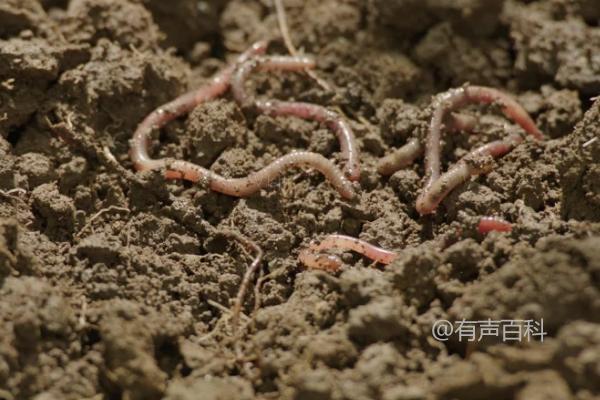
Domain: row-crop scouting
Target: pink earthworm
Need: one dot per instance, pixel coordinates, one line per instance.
(435, 188)
(400, 158)
(478, 161)
(442, 104)
(459, 122)
(158, 118)
(413, 149)
(455, 98)
(242, 187)
(493, 224)
(314, 258)
(302, 110)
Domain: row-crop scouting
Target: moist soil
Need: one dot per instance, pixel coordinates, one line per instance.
(117, 285)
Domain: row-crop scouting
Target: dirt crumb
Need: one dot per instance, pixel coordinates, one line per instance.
(212, 388)
(127, 23)
(57, 211)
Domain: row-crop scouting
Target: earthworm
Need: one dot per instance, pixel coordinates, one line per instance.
(242, 187)
(437, 188)
(448, 101)
(455, 98)
(477, 162)
(302, 110)
(400, 158)
(413, 149)
(314, 258)
(493, 224)
(459, 122)
(182, 105)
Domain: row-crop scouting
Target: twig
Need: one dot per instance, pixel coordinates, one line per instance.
(284, 28)
(98, 214)
(285, 34)
(82, 320)
(11, 257)
(64, 131)
(12, 192)
(250, 272)
(225, 310)
(589, 142)
(128, 244)
(257, 298)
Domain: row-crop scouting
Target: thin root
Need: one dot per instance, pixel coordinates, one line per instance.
(98, 214)
(249, 245)
(589, 142)
(287, 40)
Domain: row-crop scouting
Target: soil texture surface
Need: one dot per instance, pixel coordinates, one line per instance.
(119, 285)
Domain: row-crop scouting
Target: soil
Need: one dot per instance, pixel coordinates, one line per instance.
(114, 285)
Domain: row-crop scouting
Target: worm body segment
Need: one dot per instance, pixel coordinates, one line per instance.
(400, 158)
(459, 97)
(314, 258)
(436, 186)
(493, 224)
(477, 162)
(180, 106)
(302, 110)
(243, 187)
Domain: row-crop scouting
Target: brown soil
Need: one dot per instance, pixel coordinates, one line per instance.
(125, 303)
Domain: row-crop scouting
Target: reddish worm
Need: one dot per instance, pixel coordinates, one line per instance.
(164, 114)
(400, 158)
(314, 258)
(413, 149)
(436, 189)
(448, 101)
(477, 162)
(240, 187)
(493, 224)
(302, 110)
